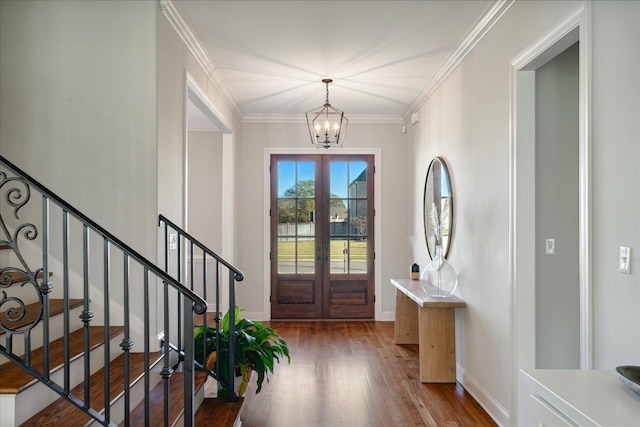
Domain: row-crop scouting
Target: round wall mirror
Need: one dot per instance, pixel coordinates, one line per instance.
(438, 207)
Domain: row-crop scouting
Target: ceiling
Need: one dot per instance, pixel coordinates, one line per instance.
(272, 55)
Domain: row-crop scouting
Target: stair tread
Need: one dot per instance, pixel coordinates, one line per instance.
(156, 400)
(56, 306)
(216, 412)
(64, 413)
(15, 379)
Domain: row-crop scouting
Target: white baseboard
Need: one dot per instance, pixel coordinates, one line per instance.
(253, 315)
(387, 316)
(499, 414)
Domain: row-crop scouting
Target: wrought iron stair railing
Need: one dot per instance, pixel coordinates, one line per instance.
(190, 251)
(117, 285)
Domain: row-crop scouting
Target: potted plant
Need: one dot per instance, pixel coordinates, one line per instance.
(257, 348)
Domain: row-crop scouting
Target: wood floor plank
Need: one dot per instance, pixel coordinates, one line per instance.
(352, 373)
(15, 379)
(56, 306)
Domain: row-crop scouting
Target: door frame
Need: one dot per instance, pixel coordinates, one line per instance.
(377, 188)
(195, 94)
(575, 28)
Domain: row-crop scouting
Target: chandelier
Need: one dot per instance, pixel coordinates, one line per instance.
(327, 125)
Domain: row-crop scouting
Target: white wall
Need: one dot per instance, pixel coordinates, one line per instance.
(466, 121)
(78, 113)
(557, 279)
(250, 176)
(616, 156)
(77, 110)
(204, 189)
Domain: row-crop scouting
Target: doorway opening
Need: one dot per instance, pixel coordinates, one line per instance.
(557, 279)
(522, 216)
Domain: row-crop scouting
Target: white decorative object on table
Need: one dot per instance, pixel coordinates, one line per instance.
(439, 279)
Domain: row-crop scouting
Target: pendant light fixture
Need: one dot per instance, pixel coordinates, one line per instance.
(327, 125)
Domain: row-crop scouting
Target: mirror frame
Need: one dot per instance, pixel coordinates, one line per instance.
(426, 207)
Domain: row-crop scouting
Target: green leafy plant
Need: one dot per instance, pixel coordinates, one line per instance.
(257, 348)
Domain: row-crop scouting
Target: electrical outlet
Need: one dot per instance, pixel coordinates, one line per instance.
(173, 241)
(624, 260)
(550, 246)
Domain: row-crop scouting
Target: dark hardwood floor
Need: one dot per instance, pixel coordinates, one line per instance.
(350, 373)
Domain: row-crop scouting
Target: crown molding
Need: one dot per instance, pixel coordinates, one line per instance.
(175, 19)
(300, 118)
(479, 30)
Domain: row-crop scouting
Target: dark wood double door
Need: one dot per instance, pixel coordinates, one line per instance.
(322, 222)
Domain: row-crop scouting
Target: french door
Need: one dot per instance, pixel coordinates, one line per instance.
(322, 236)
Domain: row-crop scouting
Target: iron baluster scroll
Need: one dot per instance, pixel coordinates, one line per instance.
(15, 194)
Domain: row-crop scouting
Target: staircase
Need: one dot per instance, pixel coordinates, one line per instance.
(91, 332)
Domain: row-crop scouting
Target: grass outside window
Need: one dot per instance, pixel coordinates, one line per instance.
(307, 250)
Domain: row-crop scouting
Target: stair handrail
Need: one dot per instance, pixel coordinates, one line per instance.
(238, 275)
(234, 275)
(200, 305)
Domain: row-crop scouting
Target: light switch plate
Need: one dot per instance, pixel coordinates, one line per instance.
(550, 246)
(624, 261)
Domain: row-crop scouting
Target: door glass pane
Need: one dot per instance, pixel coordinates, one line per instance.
(358, 217)
(305, 255)
(286, 255)
(306, 179)
(286, 217)
(286, 177)
(306, 236)
(338, 179)
(358, 179)
(305, 213)
(338, 216)
(296, 217)
(339, 255)
(339, 232)
(358, 255)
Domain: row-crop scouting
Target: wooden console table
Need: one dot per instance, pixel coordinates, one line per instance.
(430, 323)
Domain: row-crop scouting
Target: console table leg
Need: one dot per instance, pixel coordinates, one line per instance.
(406, 324)
(437, 345)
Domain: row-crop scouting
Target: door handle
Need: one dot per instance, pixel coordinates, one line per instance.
(326, 250)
